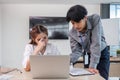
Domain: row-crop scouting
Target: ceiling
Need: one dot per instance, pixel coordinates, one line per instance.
(58, 1)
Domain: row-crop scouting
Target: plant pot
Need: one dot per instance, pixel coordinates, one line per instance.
(118, 55)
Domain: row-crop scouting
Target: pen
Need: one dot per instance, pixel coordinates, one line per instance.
(19, 70)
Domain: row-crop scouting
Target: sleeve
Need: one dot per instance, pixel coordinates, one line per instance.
(96, 41)
(76, 50)
(27, 53)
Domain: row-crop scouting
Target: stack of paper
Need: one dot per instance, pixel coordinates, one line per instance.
(114, 78)
(6, 70)
(5, 77)
(79, 71)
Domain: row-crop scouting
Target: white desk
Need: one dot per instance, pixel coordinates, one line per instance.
(27, 76)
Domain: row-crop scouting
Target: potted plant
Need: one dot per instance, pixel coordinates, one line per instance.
(118, 53)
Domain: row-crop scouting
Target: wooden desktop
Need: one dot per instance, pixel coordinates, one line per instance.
(114, 66)
(17, 75)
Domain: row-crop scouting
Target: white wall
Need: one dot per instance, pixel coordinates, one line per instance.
(111, 29)
(112, 34)
(0, 34)
(15, 27)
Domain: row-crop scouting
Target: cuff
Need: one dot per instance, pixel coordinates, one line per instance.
(93, 65)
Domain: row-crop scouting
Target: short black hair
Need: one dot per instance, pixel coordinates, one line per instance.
(76, 13)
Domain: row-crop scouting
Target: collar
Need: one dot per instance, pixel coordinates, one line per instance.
(89, 26)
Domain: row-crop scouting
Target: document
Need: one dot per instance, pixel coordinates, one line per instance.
(5, 77)
(114, 78)
(7, 70)
(79, 72)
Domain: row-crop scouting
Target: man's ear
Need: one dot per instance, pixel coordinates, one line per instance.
(85, 18)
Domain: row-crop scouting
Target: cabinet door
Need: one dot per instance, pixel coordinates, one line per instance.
(114, 70)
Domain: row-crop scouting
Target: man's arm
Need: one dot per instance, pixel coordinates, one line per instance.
(96, 41)
(76, 50)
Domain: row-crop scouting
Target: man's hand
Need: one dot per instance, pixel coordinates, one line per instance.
(93, 70)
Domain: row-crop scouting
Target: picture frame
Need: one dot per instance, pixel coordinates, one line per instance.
(58, 27)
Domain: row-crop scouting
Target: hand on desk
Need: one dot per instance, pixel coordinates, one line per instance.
(93, 70)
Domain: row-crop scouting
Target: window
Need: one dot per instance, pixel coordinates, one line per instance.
(114, 10)
(115, 13)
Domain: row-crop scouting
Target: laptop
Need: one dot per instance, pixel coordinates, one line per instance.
(50, 66)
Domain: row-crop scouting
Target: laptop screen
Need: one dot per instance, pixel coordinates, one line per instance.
(50, 66)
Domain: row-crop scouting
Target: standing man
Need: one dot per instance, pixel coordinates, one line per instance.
(87, 38)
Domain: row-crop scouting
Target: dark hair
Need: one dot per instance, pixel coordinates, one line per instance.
(35, 30)
(76, 13)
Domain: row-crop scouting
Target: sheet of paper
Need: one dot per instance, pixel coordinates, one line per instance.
(5, 77)
(114, 78)
(79, 71)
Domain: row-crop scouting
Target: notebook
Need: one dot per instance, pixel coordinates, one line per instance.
(76, 71)
(79, 72)
(50, 66)
(5, 77)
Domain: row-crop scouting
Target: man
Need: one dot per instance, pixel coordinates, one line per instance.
(86, 36)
